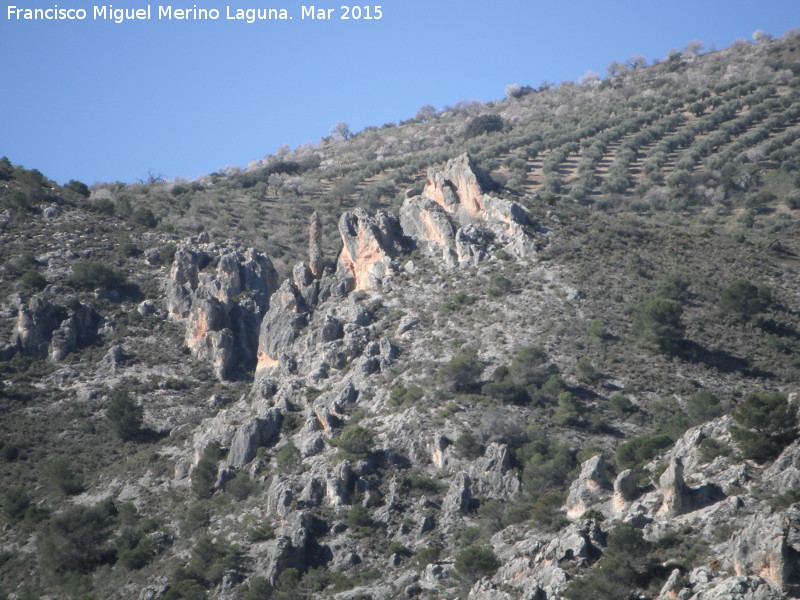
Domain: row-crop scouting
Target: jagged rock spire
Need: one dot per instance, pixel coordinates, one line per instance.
(315, 256)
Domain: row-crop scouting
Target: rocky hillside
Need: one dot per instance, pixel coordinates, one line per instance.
(539, 349)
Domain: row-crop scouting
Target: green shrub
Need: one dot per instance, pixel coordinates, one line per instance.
(259, 589)
(639, 450)
(786, 499)
(483, 124)
(469, 446)
(188, 589)
(499, 286)
(402, 395)
(195, 518)
(674, 286)
(621, 405)
(167, 253)
(420, 484)
(241, 486)
(15, 503)
(569, 410)
(355, 442)
(428, 555)
(76, 539)
(33, 280)
(546, 466)
(744, 300)
(764, 424)
(91, 275)
(398, 548)
(261, 533)
(627, 564)
(546, 511)
(62, 476)
(710, 449)
(78, 187)
(144, 216)
(461, 373)
(507, 392)
(125, 415)
(657, 323)
(586, 371)
(204, 475)
(288, 458)
(102, 205)
(210, 560)
(703, 406)
(530, 366)
(475, 562)
(359, 519)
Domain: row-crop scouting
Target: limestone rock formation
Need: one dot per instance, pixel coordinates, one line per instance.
(250, 436)
(458, 221)
(220, 306)
(315, 256)
(460, 185)
(769, 547)
(280, 327)
(589, 488)
(368, 246)
(46, 328)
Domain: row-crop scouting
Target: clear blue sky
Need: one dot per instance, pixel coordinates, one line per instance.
(98, 101)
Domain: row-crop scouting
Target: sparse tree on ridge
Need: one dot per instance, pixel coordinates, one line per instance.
(589, 78)
(693, 48)
(342, 130)
(759, 35)
(614, 68)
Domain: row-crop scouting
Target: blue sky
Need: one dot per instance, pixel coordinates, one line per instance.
(98, 101)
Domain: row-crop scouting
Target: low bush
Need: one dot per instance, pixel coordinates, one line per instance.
(91, 275)
(475, 562)
(744, 299)
(125, 415)
(639, 450)
(355, 442)
(765, 423)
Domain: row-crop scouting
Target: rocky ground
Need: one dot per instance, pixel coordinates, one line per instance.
(372, 426)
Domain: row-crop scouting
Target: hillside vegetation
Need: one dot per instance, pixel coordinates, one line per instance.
(546, 347)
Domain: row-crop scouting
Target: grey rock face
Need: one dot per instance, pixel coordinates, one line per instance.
(221, 307)
(590, 487)
(456, 221)
(315, 256)
(45, 328)
(458, 496)
(257, 432)
(368, 246)
(281, 325)
(769, 546)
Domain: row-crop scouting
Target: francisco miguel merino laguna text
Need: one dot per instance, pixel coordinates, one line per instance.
(170, 13)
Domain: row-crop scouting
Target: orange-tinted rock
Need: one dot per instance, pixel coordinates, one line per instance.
(368, 246)
(459, 184)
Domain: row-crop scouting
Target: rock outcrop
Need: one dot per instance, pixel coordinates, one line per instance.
(315, 256)
(769, 547)
(368, 246)
(44, 328)
(221, 306)
(287, 316)
(457, 220)
(589, 488)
